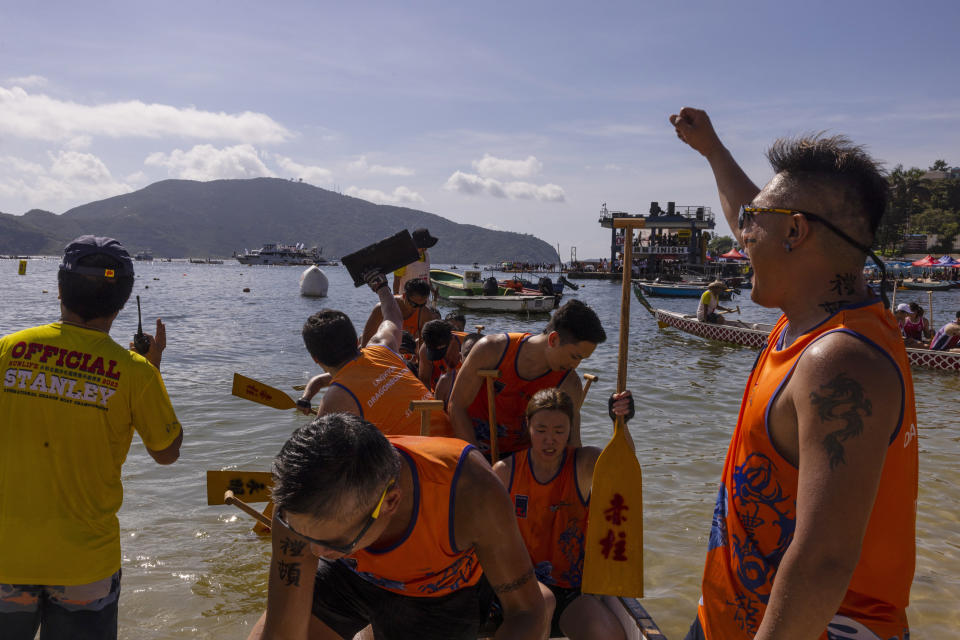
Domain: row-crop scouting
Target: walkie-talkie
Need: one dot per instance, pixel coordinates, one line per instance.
(140, 340)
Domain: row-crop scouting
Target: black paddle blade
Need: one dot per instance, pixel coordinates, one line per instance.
(385, 256)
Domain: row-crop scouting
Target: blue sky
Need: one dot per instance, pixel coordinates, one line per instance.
(523, 116)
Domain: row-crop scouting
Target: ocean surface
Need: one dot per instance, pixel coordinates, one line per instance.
(196, 571)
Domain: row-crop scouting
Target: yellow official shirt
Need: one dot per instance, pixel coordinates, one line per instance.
(71, 400)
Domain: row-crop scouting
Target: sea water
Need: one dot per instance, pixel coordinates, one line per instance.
(196, 571)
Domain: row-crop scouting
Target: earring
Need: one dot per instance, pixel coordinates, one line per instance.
(786, 245)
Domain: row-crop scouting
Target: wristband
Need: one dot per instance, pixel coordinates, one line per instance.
(303, 403)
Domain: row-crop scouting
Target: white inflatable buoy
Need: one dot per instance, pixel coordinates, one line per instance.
(313, 283)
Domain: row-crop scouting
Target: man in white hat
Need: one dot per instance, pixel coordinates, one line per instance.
(419, 270)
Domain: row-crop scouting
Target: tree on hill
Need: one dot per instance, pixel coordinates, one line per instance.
(720, 244)
(919, 205)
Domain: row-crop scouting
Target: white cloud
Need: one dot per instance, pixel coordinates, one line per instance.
(491, 167)
(28, 81)
(400, 195)
(206, 162)
(472, 184)
(313, 175)
(363, 166)
(79, 142)
(528, 191)
(40, 117)
(71, 178)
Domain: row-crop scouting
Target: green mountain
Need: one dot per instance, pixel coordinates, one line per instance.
(183, 218)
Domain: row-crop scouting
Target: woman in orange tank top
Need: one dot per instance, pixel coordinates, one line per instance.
(549, 485)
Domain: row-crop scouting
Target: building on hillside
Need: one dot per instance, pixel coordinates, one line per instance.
(950, 173)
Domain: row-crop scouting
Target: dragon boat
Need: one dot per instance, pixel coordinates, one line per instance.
(755, 334)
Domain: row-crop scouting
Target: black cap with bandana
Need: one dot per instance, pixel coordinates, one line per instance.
(95, 245)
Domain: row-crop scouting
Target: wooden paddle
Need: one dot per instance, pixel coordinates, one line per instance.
(256, 391)
(613, 554)
(229, 498)
(737, 310)
(590, 378)
(491, 375)
(425, 407)
(479, 328)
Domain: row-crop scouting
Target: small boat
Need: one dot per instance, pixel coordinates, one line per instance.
(677, 289)
(449, 283)
(755, 335)
(205, 261)
(282, 254)
(543, 287)
(927, 286)
(516, 304)
(637, 624)
(144, 256)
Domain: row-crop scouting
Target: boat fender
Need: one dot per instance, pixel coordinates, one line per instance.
(627, 417)
(490, 286)
(313, 283)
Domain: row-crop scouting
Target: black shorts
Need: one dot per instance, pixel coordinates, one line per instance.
(347, 603)
(564, 597)
(696, 631)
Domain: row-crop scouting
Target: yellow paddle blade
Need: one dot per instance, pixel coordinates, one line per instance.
(244, 387)
(662, 325)
(249, 486)
(613, 548)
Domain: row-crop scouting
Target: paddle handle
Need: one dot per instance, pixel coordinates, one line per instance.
(624, 313)
(229, 498)
(590, 378)
(491, 375)
(425, 407)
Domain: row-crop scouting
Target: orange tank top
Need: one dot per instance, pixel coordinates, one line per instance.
(425, 562)
(383, 386)
(755, 513)
(552, 517)
(513, 392)
(411, 323)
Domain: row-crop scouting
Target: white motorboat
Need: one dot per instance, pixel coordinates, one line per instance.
(281, 254)
(516, 304)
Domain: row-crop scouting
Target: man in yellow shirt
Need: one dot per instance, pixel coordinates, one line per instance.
(710, 302)
(71, 399)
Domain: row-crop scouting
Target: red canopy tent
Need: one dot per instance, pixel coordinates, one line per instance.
(733, 254)
(926, 262)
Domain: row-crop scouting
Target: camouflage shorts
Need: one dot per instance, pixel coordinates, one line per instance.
(71, 611)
